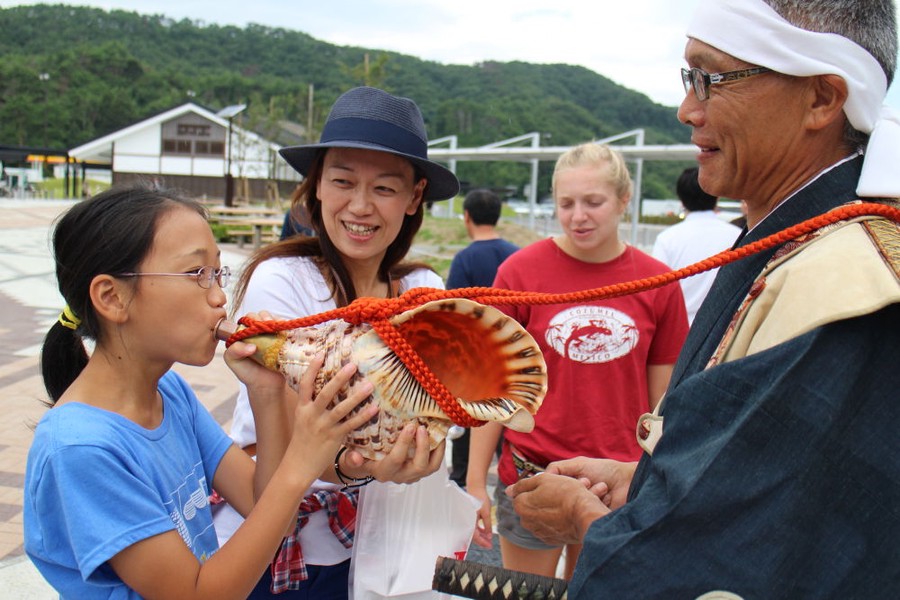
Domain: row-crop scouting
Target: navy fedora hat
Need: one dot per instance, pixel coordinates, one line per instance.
(372, 119)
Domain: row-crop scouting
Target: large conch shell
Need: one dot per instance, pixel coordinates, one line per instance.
(488, 362)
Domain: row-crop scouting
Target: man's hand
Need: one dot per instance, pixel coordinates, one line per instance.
(608, 479)
(556, 508)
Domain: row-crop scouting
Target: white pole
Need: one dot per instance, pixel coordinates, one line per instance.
(638, 195)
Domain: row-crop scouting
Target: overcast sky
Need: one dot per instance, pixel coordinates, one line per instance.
(636, 43)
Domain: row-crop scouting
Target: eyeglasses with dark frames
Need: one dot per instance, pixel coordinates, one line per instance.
(700, 81)
(204, 276)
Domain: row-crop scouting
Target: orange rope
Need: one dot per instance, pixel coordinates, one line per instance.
(378, 311)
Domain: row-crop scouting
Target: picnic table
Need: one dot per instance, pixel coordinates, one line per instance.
(263, 225)
(259, 224)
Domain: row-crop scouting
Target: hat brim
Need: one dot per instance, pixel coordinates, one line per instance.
(442, 183)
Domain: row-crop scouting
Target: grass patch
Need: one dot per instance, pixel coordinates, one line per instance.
(440, 238)
(661, 219)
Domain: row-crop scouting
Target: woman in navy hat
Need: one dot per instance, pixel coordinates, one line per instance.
(364, 188)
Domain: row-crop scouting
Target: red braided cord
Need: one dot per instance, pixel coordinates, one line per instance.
(377, 311)
(435, 388)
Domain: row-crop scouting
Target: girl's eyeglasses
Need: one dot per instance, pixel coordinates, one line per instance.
(204, 276)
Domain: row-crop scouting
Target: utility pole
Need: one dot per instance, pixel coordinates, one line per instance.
(309, 117)
(229, 112)
(44, 78)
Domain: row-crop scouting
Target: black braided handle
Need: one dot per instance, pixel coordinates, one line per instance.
(484, 582)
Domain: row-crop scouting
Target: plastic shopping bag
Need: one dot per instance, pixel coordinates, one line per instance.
(400, 532)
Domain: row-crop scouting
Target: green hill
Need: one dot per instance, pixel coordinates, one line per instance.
(71, 74)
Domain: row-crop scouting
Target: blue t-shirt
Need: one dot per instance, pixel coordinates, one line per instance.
(96, 483)
(476, 264)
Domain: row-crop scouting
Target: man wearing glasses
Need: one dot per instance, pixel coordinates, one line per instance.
(773, 467)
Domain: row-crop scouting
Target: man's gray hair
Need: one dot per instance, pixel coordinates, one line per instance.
(872, 24)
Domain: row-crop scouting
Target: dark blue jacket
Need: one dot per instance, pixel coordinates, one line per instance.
(778, 475)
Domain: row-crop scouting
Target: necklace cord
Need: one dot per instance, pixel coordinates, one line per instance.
(378, 311)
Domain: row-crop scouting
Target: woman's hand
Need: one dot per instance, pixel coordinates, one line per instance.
(484, 527)
(397, 466)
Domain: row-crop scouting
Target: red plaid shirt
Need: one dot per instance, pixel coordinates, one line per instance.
(288, 568)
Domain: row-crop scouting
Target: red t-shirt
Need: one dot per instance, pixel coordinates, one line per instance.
(597, 353)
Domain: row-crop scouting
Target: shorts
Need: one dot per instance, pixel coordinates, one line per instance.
(509, 526)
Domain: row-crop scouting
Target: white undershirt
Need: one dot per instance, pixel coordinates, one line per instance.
(291, 288)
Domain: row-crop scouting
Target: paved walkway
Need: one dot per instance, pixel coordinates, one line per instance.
(29, 303)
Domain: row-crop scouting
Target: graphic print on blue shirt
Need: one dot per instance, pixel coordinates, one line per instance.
(183, 506)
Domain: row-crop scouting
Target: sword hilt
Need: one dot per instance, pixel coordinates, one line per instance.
(484, 582)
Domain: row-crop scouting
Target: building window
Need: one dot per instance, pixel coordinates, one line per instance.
(176, 146)
(191, 135)
(207, 148)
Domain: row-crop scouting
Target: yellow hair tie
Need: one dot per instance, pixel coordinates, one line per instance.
(68, 319)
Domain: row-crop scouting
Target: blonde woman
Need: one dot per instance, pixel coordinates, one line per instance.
(608, 361)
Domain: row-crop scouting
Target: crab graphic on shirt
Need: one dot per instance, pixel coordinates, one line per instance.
(592, 334)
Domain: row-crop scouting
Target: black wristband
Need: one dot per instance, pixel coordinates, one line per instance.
(349, 482)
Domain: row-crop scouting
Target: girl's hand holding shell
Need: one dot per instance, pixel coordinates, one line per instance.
(318, 430)
(258, 379)
(262, 384)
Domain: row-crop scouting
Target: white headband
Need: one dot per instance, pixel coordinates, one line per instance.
(753, 32)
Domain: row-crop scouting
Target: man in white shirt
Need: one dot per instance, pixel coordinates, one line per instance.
(701, 235)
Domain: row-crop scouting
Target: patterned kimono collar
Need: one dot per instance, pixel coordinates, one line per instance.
(807, 184)
(833, 188)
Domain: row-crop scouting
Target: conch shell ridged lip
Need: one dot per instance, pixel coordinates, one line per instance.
(486, 360)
